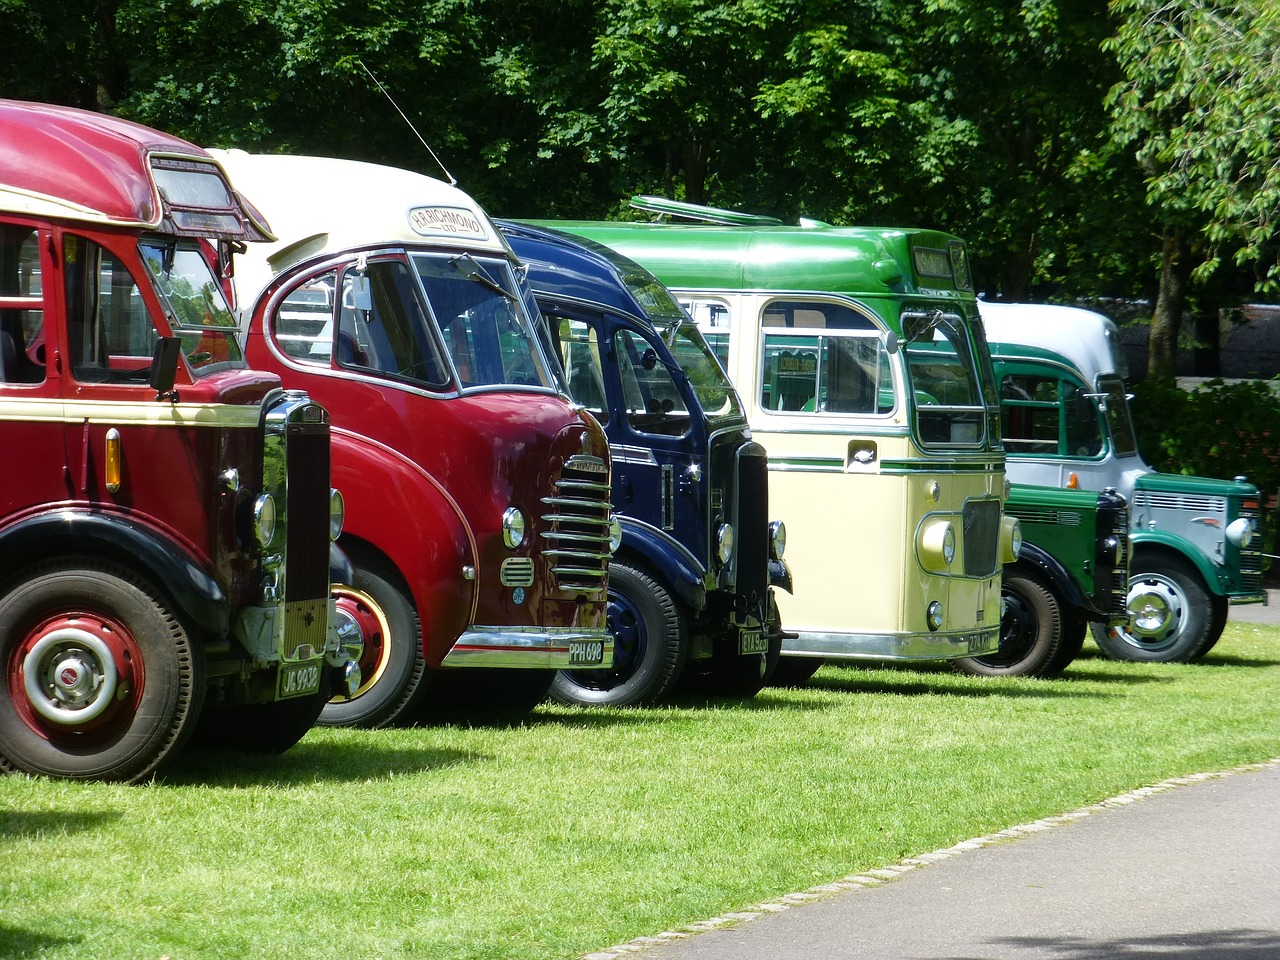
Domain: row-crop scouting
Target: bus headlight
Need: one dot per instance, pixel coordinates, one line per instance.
(264, 519)
(1109, 555)
(512, 527)
(1010, 538)
(935, 616)
(724, 543)
(1240, 532)
(937, 546)
(337, 513)
(615, 534)
(777, 539)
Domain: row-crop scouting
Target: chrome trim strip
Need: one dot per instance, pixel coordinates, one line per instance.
(895, 646)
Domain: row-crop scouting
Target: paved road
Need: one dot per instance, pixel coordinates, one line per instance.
(1268, 612)
(1184, 872)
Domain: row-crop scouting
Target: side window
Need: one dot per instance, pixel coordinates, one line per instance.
(580, 356)
(21, 306)
(823, 358)
(715, 323)
(110, 333)
(653, 404)
(304, 320)
(1030, 414)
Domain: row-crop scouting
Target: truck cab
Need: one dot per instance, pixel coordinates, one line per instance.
(165, 543)
(689, 585)
(1065, 420)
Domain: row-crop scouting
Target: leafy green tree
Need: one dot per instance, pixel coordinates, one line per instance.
(1198, 103)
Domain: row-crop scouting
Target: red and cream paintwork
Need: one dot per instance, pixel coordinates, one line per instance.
(131, 582)
(436, 457)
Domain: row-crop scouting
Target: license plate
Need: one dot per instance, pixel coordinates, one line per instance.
(752, 641)
(298, 679)
(586, 653)
(981, 643)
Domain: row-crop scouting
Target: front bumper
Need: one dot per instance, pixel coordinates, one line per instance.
(537, 648)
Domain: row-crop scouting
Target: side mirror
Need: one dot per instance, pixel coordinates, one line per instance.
(164, 365)
(649, 359)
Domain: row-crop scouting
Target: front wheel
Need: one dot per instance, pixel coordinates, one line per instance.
(1031, 632)
(392, 666)
(742, 676)
(1169, 611)
(649, 648)
(101, 679)
(264, 728)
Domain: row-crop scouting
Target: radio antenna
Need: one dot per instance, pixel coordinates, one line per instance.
(447, 175)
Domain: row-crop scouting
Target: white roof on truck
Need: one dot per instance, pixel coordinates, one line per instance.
(319, 205)
(1086, 339)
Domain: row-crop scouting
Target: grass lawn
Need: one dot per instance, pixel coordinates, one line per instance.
(581, 829)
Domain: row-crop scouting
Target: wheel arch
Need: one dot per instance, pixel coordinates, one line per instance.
(182, 579)
(1037, 562)
(1155, 546)
(664, 559)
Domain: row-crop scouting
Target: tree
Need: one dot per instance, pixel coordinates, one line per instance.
(1198, 104)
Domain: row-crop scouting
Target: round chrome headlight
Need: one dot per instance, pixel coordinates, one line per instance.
(512, 527)
(777, 539)
(264, 519)
(1109, 555)
(935, 616)
(1240, 531)
(615, 534)
(724, 543)
(337, 513)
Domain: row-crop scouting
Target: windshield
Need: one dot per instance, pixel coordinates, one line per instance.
(946, 380)
(1115, 408)
(707, 377)
(483, 321)
(193, 302)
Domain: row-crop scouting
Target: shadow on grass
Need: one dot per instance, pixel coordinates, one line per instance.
(22, 823)
(366, 757)
(17, 943)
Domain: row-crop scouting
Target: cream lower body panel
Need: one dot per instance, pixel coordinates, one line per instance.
(896, 646)
(536, 649)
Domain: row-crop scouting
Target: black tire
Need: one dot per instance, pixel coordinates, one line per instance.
(795, 671)
(741, 677)
(1030, 632)
(130, 682)
(264, 728)
(1217, 623)
(649, 647)
(481, 694)
(1171, 613)
(392, 665)
(1075, 629)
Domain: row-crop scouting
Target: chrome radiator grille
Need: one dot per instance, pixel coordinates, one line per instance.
(306, 579)
(578, 517)
(981, 537)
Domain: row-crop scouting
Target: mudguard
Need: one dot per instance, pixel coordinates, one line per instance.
(667, 558)
(72, 531)
(1055, 575)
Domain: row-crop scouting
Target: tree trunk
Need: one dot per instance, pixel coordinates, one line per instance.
(1163, 341)
(695, 171)
(112, 71)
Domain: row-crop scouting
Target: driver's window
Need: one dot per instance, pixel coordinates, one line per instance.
(580, 357)
(652, 400)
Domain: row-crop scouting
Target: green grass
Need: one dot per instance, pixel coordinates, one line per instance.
(581, 829)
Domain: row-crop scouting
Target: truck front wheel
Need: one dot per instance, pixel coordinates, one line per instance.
(649, 648)
(392, 664)
(1031, 631)
(1169, 612)
(101, 679)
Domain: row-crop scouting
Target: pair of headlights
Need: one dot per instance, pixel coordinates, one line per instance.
(264, 517)
(514, 528)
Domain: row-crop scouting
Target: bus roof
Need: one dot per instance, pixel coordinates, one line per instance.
(814, 257)
(63, 163)
(1084, 339)
(320, 205)
(581, 269)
